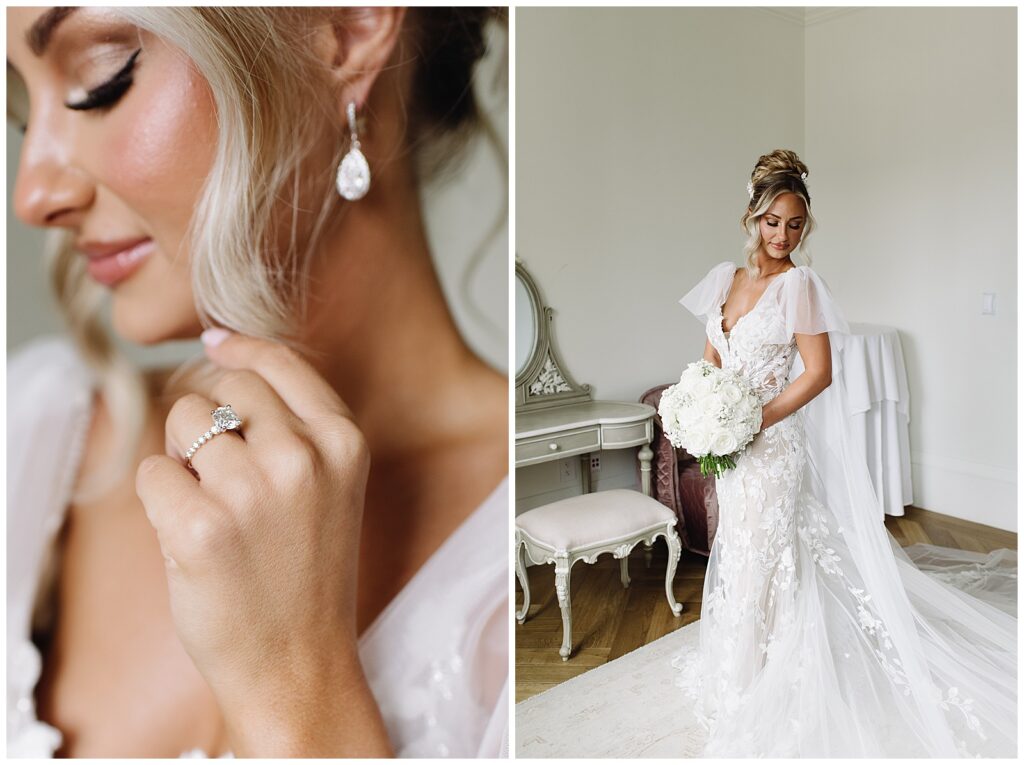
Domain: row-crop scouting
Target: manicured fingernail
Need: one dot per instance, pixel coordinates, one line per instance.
(214, 336)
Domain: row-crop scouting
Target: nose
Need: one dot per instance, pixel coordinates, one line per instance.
(50, 190)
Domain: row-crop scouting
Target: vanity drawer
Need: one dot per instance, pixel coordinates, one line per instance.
(627, 435)
(558, 445)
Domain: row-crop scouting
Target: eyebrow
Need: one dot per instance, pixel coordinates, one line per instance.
(795, 217)
(38, 36)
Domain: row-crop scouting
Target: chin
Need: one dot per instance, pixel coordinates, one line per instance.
(152, 321)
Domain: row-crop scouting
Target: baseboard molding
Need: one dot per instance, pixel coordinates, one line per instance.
(971, 491)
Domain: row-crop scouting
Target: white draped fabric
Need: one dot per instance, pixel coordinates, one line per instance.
(819, 637)
(879, 409)
(436, 657)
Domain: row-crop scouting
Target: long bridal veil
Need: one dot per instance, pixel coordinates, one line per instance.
(889, 655)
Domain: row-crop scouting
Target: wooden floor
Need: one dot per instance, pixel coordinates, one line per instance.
(609, 620)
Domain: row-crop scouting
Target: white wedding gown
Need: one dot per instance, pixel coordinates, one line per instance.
(819, 637)
(436, 657)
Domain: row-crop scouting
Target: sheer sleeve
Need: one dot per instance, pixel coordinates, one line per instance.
(809, 307)
(710, 292)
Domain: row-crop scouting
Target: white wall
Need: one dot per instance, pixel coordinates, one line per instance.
(636, 134)
(912, 139)
(461, 212)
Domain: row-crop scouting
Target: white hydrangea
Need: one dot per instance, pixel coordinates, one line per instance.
(711, 413)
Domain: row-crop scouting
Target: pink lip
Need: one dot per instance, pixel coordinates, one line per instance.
(113, 262)
(779, 246)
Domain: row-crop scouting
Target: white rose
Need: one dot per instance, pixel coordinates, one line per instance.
(730, 393)
(724, 443)
(711, 405)
(702, 386)
(697, 439)
(692, 372)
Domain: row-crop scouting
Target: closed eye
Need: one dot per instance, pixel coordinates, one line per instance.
(111, 91)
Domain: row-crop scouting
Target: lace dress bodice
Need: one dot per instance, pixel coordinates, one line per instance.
(751, 346)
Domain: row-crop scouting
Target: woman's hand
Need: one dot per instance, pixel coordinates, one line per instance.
(261, 550)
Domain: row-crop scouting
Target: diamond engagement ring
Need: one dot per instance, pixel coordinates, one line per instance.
(224, 418)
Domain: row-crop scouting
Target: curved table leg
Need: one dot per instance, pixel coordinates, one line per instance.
(562, 573)
(674, 551)
(624, 570)
(647, 554)
(519, 553)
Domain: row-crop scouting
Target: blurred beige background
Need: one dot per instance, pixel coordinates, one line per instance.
(637, 130)
(461, 213)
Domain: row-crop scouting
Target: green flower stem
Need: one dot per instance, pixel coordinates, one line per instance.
(712, 463)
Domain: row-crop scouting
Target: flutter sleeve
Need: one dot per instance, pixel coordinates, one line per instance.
(709, 293)
(808, 306)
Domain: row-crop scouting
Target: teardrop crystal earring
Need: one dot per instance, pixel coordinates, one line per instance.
(354, 172)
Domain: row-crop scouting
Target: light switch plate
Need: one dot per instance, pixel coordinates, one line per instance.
(988, 303)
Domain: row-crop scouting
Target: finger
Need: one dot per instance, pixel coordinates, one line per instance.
(265, 417)
(298, 384)
(167, 490)
(190, 528)
(189, 419)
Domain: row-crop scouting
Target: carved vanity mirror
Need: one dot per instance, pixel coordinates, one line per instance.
(555, 416)
(541, 379)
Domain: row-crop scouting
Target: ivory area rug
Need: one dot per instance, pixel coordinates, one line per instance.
(630, 707)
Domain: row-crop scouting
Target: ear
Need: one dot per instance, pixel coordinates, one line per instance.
(356, 44)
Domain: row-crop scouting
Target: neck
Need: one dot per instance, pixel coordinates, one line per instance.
(769, 266)
(379, 328)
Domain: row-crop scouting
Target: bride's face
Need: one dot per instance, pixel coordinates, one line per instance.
(120, 137)
(783, 224)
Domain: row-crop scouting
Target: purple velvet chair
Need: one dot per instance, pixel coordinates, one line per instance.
(679, 486)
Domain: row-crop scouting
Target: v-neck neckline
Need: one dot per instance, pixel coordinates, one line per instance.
(725, 299)
(451, 542)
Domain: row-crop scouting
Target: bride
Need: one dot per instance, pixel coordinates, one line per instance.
(330, 578)
(819, 637)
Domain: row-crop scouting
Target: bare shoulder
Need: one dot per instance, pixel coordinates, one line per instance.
(740, 281)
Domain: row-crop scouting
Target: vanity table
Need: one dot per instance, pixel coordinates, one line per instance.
(555, 416)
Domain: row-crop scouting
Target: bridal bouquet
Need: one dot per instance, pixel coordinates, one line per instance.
(712, 413)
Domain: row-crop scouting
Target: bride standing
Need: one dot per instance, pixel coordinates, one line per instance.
(819, 637)
(265, 590)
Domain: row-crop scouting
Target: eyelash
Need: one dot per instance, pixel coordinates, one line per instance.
(110, 92)
(776, 223)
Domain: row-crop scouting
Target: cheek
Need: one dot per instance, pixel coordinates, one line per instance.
(163, 144)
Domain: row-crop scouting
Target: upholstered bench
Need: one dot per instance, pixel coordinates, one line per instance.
(584, 527)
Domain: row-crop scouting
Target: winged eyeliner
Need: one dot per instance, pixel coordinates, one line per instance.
(109, 91)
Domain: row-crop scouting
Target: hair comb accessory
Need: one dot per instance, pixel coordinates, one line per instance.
(750, 189)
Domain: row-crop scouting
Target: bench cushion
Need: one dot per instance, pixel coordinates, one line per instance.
(593, 518)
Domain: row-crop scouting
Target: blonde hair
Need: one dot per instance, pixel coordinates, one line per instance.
(249, 266)
(774, 174)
